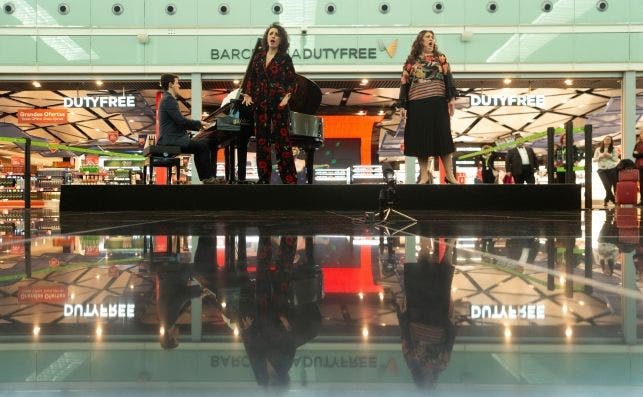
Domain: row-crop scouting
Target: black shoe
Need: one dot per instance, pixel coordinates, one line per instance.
(261, 182)
(605, 202)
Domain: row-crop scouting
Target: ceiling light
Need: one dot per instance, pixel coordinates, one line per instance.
(36, 84)
(235, 82)
(36, 330)
(507, 332)
(205, 114)
(569, 81)
(361, 296)
(380, 113)
(131, 121)
(507, 81)
(364, 82)
(569, 332)
(99, 331)
(99, 83)
(361, 113)
(162, 331)
(365, 332)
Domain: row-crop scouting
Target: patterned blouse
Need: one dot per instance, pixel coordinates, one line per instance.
(429, 76)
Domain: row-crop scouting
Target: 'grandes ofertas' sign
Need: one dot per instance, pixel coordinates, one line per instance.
(508, 100)
(109, 101)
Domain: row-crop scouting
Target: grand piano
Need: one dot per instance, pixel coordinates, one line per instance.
(306, 129)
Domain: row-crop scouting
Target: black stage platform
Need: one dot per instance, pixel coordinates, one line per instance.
(318, 197)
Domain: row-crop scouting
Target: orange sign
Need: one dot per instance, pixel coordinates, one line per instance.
(112, 136)
(50, 294)
(42, 116)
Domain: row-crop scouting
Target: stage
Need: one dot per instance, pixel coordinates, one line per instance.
(319, 197)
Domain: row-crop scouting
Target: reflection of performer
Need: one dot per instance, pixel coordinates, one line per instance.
(275, 324)
(269, 86)
(173, 126)
(426, 324)
(172, 294)
(245, 132)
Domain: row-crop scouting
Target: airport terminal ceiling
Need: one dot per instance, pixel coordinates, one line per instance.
(582, 100)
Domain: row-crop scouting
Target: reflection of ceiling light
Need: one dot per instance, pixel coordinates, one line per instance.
(361, 113)
(99, 331)
(507, 81)
(569, 332)
(364, 82)
(380, 113)
(99, 83)
(361, 296)
(36, 330)
(569, 82)
(36, 84)
(205, 114)
(235, 331)
(131, 121)
(235, 82)
(507, 332)
(365, 332)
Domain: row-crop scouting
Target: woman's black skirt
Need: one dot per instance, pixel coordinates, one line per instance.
(428, 128)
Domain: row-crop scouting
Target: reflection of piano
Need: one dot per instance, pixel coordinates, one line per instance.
(306, 130)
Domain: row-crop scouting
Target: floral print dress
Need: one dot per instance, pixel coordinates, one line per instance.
(267, 85)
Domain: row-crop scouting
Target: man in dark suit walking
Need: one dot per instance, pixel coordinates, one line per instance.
(521, 163)
(173, 129)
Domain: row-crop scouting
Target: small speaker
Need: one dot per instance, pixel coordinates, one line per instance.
(170, 9)
(546, 6)
(63, 8)
(224, 9)
(8, 8)
(602, 5)
(330, 8)
(117, 9)
(492, 7)
(277, 8)
(384, 8)
(438, 7)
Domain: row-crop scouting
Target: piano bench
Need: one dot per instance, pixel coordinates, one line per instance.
(162, 156)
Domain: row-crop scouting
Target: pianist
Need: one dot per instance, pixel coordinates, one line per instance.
(269, 85)
(173, 129)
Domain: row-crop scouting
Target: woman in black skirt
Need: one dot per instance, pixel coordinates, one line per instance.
(427, 96)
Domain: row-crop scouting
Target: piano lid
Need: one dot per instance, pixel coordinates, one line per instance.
(307, 96)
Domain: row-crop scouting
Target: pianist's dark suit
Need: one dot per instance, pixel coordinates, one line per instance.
(173, 132)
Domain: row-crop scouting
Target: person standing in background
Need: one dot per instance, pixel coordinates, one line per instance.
(607, 159)
(521, 163)
(638, 155)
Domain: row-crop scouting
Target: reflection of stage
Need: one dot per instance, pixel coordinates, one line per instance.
(317, 197)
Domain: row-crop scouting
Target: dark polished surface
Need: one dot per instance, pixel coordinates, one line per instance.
(319, 303)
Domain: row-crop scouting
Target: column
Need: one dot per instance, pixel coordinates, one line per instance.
(628, 112)
(197, 110)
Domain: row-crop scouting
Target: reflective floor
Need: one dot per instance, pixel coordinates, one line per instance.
(321, 303)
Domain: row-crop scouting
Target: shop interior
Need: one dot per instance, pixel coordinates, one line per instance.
(361, 127)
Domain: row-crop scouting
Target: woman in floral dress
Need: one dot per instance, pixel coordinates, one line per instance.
(268, 87)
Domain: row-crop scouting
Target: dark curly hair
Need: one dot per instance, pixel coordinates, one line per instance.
(283, 45)
(417, 46)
